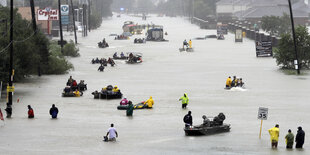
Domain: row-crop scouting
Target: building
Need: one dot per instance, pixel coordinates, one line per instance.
(42, 25)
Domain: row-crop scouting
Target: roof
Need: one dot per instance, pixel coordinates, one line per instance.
(261, 11)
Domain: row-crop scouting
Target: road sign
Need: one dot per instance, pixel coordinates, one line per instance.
(64, 9)
(262, 113)
(64, 20)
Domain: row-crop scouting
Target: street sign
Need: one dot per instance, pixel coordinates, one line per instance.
(64, 9)
(64, 20)
(262, 113)
(238, 35)
(48, 14)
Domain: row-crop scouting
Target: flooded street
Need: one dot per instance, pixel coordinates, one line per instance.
(165, 74)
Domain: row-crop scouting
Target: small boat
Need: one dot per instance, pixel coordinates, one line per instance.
(107, 95)
(120, 58)
(140, 105)
(206, 130)
(70, 94)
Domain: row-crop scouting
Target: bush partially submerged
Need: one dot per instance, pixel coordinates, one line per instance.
(71, 50)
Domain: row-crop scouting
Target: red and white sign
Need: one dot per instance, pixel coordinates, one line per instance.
(48, 14)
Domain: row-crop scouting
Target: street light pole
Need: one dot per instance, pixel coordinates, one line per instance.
(296, 63)
(60, 27)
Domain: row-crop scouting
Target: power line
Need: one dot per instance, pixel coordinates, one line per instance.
(5, 48)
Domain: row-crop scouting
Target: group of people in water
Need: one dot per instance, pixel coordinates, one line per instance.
(289, 138)
(187, 44)
(235, 82)
(53, 112)
(122, 55)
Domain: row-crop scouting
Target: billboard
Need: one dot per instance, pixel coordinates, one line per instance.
(48, 14)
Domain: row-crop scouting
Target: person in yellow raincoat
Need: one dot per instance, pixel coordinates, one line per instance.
(184, 100)
(76, 93)
(115, 89)
(274, 136)
(228, 82)
(190, 43)
(149, 102)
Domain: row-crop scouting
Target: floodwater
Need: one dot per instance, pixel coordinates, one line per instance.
(165, 74)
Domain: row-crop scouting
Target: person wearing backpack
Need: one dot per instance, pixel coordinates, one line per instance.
(54, 111)
(188, 120)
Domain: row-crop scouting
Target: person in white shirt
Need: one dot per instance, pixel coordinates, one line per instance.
(112, 133)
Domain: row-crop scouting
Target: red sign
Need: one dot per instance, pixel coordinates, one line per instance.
(48, 14)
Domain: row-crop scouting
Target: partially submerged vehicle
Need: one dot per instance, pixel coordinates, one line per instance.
(209, 127)
(155, 34)
(264, 49)
(134, 58)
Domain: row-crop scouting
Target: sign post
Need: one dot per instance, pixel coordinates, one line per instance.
(262, 115)
(48, 14)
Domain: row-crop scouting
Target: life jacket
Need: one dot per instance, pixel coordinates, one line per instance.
(30, 113)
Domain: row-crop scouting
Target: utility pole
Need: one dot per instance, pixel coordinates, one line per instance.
(10, 87)
(34, 23)
(85, 19)
(296, 63)
(73, 16)
(60, 27)
(89, 3)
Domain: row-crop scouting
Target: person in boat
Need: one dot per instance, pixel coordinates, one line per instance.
(188, 119)
(219, 119)
(77, 93)
(185, 43)
(124, 101)
(184, 100)
(228, 82)
(74, 85)
(97, 60)
(101, 68)
(240, 83)
(115, 89)
(122, 55)
(70, 81)
(30, 112)
(115, 55)
(135, 41)
(54, 111)
(111, 62)
(149, 103)
(130, 58)
(206, 121)
(234, 82)
(67, 89)
(103, 42)
(82, 85)
(130, 109)
(190, 43)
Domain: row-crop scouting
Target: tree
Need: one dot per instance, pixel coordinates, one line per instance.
(276, 25)
(285, 54)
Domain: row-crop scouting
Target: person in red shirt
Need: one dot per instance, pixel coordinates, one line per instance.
(30, 112)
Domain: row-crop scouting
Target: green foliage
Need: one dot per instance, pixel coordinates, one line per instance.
(276, 25)
(31, 51)
(95, 20)
(285, 54)
(71, 50)
(57, 64)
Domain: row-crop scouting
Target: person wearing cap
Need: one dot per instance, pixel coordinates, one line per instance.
(300, 138)
(274, 136)
(289, 138)
(124, 101)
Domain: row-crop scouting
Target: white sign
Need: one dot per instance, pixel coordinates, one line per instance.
(262, 113)
(64, 10)
(48, 14)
